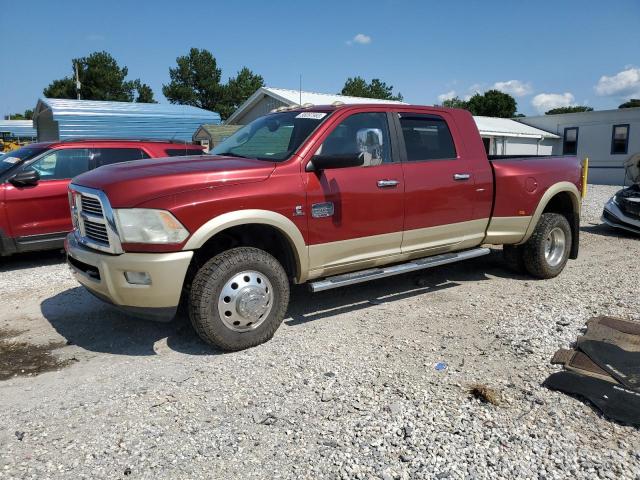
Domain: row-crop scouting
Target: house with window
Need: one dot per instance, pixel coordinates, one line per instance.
(608, 137)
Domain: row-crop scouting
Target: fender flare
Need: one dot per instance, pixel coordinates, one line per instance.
(551, 192)
(256, 216)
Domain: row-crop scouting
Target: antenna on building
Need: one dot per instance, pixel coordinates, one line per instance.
(78, 85)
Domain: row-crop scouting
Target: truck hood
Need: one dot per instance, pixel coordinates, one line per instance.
(128, 184)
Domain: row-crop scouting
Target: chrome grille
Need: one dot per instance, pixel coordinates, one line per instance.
(91, 205)
(93, 219)
(96, 231)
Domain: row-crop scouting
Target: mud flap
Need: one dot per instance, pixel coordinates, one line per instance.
(614, 401)
(578, 362)
(621, 364)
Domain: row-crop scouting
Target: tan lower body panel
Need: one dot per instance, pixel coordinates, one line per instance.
(507, 230)
(359, 253)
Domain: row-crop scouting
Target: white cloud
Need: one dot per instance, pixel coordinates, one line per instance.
(546, 101)
(514, 87)
(361, 39)
(446, 96)
(623, 84)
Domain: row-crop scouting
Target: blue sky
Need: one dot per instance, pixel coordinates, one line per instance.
(547, 53)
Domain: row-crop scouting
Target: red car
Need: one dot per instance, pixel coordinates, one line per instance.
(330, 196)
(34, 181)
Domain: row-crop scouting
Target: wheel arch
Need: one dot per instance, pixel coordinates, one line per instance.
(562, 198)
(260, 220)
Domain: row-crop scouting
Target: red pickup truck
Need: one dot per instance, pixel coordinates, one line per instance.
(34, 181)
(329, 196)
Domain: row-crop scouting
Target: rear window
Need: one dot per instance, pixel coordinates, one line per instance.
(107, 156)
(183, 152)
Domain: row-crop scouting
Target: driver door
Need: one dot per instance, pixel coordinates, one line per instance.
(41, 211)
(355, 214)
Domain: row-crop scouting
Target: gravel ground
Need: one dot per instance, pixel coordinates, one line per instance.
(348, 387)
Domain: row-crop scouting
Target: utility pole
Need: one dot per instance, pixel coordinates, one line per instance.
(78, 85)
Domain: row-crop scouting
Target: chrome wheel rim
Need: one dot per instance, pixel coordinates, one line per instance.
(245, 301)
(554, 247)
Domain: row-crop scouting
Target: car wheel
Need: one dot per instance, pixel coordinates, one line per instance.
(547, 251)
(238, 298)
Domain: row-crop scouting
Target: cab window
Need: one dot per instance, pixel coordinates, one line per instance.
(365, 134)
(426, 137)
(62, 164)
(107, 156)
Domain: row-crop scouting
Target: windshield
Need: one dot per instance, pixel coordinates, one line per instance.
(273, 137)
(15, 157)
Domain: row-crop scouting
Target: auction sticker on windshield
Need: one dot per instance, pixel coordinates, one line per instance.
(314, 115)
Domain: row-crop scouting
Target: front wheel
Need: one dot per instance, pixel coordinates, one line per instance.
(546, 253)
(238, 298)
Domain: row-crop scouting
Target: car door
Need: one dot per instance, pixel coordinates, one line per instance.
(355, 214)
(41, 211)
(439, 186)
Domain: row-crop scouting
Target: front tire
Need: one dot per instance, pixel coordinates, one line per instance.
(238, 298)
(547, 251)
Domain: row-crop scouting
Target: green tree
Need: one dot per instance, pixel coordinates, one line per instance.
(101, 78)
(493, 103)
(358, 87)
(455, 102)
(195, 81)
(238, 89)
(570, 109)
(632, 103)
(145, 94)
(27, 115)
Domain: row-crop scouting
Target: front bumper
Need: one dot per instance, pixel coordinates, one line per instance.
(103, 275)
(614, 217)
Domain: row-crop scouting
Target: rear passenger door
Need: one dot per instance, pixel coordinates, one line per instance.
(439, 186)
(108, 155)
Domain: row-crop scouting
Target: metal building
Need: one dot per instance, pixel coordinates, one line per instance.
(18, 129)
(503, 136)
(59, 119)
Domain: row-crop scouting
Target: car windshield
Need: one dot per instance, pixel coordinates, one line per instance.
(15, 157)
(272, 137)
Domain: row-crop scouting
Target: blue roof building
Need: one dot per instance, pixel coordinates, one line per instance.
(59, 119)
(17, 129)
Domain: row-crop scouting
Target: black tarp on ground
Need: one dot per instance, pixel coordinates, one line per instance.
(604, 368)
(614, 401)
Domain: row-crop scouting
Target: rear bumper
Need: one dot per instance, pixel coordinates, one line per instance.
(104, 276)
(614, 217)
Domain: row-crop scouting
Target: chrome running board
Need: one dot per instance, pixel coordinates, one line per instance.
(412, 266)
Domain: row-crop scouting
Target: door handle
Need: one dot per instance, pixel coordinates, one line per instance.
(387, 183)
(461, 176)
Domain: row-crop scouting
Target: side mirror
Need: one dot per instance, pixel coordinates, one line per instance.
(26, 178)
(324, 162)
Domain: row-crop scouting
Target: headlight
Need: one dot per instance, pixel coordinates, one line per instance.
(614, 199)
(144, 225)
